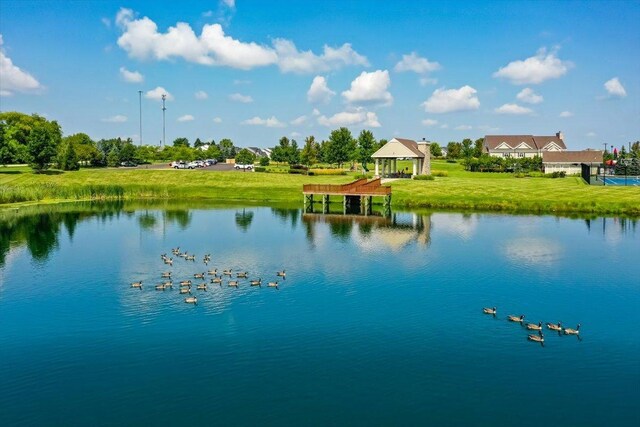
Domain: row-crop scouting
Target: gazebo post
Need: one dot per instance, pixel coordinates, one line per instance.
(415, 167)
(377, 168)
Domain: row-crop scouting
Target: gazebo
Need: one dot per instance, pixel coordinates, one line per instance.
(401, 148)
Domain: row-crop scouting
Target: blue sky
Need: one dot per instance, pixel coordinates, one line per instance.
(254, 71)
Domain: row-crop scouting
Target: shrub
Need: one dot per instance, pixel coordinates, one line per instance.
(439, 173)
(260, 168)
(298, 171)
(452, 161)
(557, 174)
(328, 172)
(424, 177)
(264, 161)
(299, 167)
(363, 175)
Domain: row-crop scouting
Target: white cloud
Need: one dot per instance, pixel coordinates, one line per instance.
(513, 109)
(186, 118)
(427, 81)
(370, 88)
(238, 97)
(298, 121)
(413, 62)
(230, 3)
(315, 112)
(271, 122)
(217, 120)
(529, 96)
(131, 76)
(536, 69)
(290, 59)
(141, 39)
(566, 114)
(319, 92)
(115, 119)
(241, 82)
(429, 122)
(156, 94)
(464, 127)
(207, 14)
(615, 88)
(351, 118)
(106, 22)
(13, 79)
(450, 100)
(201, 95)
(295, 134)
(591, 134)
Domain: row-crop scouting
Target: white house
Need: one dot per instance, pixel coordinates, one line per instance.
(570, 161)
(522, 145)
(400, 148)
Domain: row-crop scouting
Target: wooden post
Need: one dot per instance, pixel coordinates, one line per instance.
(344, 205)
(325, 203)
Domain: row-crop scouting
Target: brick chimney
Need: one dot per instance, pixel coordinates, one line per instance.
(425, 148)
(560, 136)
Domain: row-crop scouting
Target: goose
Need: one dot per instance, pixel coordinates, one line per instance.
(518, 319)
(256, 282)
(191, 300)
(166, 274)
(555, 327)
(185, 283)
(534, 327)
(273, 285)
(242, 275)
(182, 254)
(537, 338)
(175, 251)
(137, 284)
(199, 276)
(169, 261)
(207, 258)
(202, 287)
(190, 258)
(164, 256)
(216, 280)
(233, 283)
(168, 285)
(226, 272)
(160, 288)
(282, 274)
(490, 310)
(212, 272)
(185, 290)
(569, 331)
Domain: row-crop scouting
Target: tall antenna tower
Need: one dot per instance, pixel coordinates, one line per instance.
(140, 103)
(164, 97)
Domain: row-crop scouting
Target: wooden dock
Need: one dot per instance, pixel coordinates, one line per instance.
(357, 193)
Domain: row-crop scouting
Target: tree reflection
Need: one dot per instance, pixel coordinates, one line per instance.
(147, 220)
(181, 216)
(244, 219)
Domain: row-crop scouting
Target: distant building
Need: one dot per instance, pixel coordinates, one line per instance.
(400, 148)
(259, 152)
(204, 147)
(570, 161)
(522, 145)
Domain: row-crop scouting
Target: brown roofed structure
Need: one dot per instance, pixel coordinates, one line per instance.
(492, 142)
(586, 156)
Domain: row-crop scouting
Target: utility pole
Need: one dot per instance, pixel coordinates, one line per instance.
(140, 104)
(164, 96)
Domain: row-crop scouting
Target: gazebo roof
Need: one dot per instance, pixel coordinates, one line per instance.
(399, 148)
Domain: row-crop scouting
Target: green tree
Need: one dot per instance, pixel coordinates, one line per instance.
(198, 143)
(309, 153)
(340, 146)
(227, 149)
(42, 145)
(366, 147)
(245, 157)
(467, 148)
(113, 158)
(213, 152)
(15, 135)
(436, 151)
(454, 150)
(67, 157)
(293, 157)
(181, 142)
(128, 152)
(479, 147)
(280, 153)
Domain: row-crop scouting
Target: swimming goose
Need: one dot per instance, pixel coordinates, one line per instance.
(169, 261)
(190, 258)
(202, 287)
(273, 285)
(256, 282)
(216, 280)
(191, 300)
(555, 327)
(185, 283)
(490, 310)
(233, 283)
(537, 338)
(513, 318)
(182, 254)
(242, 275)
(168, 285)
(137, 284)
(175, 251)
(569, 331)
(185, 290)
(226, 272)
(199, 276)
(166, 274)
(212, 272)
(282, 274)
(534, 327)
(160, 287)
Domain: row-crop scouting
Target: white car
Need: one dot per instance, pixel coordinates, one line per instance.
(239, 166)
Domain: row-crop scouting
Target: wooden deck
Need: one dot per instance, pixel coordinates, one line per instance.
(359, 187)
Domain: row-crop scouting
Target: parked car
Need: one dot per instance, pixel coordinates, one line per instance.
(211, 162)
(128, 164)
(193, 165)
(239, 166)
(179, 165)
(199, 163)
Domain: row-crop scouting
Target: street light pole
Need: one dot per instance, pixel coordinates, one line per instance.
(164, 96)
(140, 104)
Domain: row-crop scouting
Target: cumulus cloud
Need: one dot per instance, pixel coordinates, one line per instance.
(115, 119)
(450, 100)
(141, 39)
(591, 134)
(429, 122)
(427, 81)
(271, 122)
(513, 109)
(13, 79)
(156, 94)
(217, 120)
(536, 69)
(415, 63)
(614, 88)
(298, 121)
(186, 118)
(131, 76)
(464, 127)
(566, 114)
(370, 88)
(201, 95)
(351, 118)
(319, 92)
(230, 3)
(529, 96)
(238, 97)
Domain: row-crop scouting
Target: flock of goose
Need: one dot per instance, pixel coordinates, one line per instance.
(539, 337)
(217, 279)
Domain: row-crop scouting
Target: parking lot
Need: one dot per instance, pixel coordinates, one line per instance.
(220, 167)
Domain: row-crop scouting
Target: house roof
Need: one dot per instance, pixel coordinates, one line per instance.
(586, 156)
(399, 148)
(493, 142)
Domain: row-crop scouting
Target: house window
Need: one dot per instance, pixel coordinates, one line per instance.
(520, 154)
(506, 154)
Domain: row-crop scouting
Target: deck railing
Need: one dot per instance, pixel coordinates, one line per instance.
(360, 187)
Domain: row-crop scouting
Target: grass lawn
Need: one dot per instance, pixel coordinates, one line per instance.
(458, 190)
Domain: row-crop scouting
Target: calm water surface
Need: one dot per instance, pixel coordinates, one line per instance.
(379, 322)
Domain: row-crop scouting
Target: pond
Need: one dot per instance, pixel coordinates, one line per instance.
(378, 322)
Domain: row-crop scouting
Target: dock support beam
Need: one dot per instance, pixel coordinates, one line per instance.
(325, 203)
(308, 203)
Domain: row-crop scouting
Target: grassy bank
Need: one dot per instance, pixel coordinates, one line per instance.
(458, 190)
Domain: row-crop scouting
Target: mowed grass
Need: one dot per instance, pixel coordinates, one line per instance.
(458, 190)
